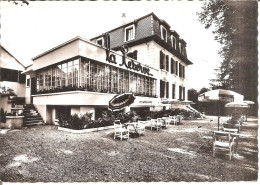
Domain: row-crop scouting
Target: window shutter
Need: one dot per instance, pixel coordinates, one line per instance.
(183, 93)
(172, 63)
(167, 89)
(161, 60)
(176, 68)
(180, 70)
(173, 91)
(161, 89)
(180, 93)
(167, 62)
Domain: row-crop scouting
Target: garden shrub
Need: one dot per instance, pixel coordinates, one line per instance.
(2, 116)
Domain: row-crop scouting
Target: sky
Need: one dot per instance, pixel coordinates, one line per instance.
(27, 31)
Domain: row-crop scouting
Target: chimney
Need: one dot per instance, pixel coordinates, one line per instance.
(123, 18)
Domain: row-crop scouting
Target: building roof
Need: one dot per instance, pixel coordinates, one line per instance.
(11, 55)
(59, 46)
(135, 20)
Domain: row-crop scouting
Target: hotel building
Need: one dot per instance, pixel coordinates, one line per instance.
(143, 56)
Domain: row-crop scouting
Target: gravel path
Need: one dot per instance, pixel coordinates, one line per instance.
(44, 154)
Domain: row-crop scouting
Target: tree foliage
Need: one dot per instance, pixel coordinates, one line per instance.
(16, 2)
(234, 25)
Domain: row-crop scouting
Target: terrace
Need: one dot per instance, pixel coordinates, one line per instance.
(173, 154)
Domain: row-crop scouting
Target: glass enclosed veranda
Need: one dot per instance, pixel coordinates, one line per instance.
(89, 75)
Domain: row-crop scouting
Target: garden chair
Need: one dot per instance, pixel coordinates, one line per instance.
(229, 127)
(174, 120)
(156, 124)
(141, 127)
(120, 130)
(167, 121)
(223, 141)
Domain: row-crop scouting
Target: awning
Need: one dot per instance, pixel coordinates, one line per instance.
(28, 72)
(174, 101)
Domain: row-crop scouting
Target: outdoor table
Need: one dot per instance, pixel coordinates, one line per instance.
(134, 125)
(236, 135)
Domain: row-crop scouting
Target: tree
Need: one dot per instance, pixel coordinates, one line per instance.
(193, 95)
(235, 28)
(203, 90)
(22, 2)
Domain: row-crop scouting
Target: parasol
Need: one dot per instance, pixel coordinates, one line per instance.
(249, 102)
(120, 101)
(237, 104)
(220, 95)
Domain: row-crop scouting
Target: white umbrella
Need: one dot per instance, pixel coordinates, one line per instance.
(220, 95)
(237, 104)
(249, 102)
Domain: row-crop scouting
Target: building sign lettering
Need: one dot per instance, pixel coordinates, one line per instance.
(130, 64)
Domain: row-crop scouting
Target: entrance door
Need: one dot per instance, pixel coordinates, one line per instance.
(33, 88)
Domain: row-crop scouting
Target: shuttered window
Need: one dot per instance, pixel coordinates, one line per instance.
(183, 91)
(180, 70)
(173, 91)
(162, 87)
(167, 62)
(161, 60)
(167, 89)
(176, 64)
(180, 92)
(172, 66)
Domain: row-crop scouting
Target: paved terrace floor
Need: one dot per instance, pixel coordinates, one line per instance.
(44, 154)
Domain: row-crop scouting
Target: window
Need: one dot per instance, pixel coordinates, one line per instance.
(163, 33)
(93, 76)
(161, 60)
(167, 63)
(176, 67)
(164, 89)
(28, 82)
(100, 41)
(180, 47)
(183, 91)
(180, 92)
(164, 61)
(180, 70)
(173, 67)
(12, 75)
(129, 33)
(173, 41)
(173, 91)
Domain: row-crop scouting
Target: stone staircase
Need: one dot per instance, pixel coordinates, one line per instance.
(31, 116)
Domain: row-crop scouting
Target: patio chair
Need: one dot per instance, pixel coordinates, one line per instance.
(156, 124)
(120, 131)
(223, 141)
(230, 127)
(167, 121)
(174, 120)
(141, 127)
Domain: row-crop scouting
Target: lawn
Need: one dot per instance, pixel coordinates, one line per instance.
(44, 154)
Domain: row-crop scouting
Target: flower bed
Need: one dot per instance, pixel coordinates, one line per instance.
(84, 122)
